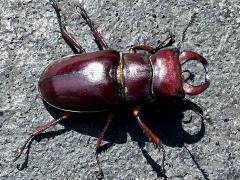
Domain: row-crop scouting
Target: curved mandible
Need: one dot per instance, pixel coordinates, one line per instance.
(188, 88)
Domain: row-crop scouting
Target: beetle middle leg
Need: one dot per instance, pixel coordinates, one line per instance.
(101, 43)
(100, 139)
(39, 130)
(149, 133)
(69, 39)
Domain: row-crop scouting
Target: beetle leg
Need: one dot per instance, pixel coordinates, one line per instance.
(68, 38)
(103, 132)
(100, 139)
(143, 47)
(166, 43)
(101, 43)
(149, 133)
(38, 131)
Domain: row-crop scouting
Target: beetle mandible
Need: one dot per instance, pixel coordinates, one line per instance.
(98, 81)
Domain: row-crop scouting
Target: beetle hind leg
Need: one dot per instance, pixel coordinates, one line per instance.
(38, 131)
(101, 43)
(68, 38)
(149, 134)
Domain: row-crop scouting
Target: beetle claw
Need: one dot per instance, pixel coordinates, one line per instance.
(188, 88)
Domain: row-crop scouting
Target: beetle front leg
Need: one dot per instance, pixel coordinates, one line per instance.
(142, 47)
(38, 131)
(166, 43)
(101, 43)
(149, 133)
(69, 39)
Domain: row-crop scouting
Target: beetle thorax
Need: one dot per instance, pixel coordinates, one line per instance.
(134, 76)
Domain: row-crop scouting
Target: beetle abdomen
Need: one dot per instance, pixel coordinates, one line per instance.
(85, 82)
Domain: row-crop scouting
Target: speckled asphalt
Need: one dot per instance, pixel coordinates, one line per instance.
(29, 41)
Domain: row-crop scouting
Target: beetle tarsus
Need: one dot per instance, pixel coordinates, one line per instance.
(100, 174)
(20, 151)
(101, 43)
(68, 38)
(165, 43)
(38, 131)
(161, 149)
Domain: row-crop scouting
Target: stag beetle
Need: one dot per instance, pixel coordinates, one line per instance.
(98, 81)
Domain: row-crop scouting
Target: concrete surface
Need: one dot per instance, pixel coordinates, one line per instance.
(29, 41)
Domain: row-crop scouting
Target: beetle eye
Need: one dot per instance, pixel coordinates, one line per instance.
(187, 76)
(180, 94)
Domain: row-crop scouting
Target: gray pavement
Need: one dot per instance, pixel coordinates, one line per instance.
(29, 41)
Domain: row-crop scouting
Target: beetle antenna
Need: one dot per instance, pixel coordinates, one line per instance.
(193, 17)
(57, 10)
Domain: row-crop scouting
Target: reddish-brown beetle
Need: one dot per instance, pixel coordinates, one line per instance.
(91, 82)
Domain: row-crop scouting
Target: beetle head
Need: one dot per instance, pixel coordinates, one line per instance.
(167, 79)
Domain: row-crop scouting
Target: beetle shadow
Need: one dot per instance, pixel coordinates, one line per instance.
(165, 119)
(167, 122)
